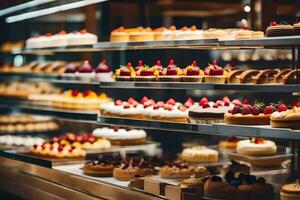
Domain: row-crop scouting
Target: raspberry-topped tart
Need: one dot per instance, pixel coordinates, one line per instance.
(171, 74)
(243, 186)
(256, 147)
(125, 73)
(192, 73)
(257, 114)
(214, 73)
(104, 72)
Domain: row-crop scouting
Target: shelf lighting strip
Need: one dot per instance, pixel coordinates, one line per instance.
(52, 10)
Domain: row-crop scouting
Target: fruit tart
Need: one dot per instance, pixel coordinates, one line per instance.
(171, 74)
(181, 170)
(141, 34)
(192, 73)
(104, 72)
(243, 186)
(133, 168)
(214, 73)
(125, 73)
(257, 114)
(119, 35)
(286, 119)
(146, 74)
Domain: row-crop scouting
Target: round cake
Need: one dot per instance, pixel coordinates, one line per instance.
(229, 144)
(122, 136)
(256, 147)
(290, 191)
(286, 119)
(199, 154)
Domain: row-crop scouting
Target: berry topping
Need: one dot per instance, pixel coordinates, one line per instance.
(86, 67)
(259, 141)
(236, 102)
(147, 72)
(60, 149)
(83, 31)
(103, 67)
(171, 101)
(140, 63)
(217, 71)
(126, 106)
(189, 103)
(160, 104)
(226, 100)
(269, 110)
(246, 102)
(229, 176)
(158, 63)
(244, 27)
(282, 107)
(144, 99)
(216, 105)
(214, 63)
(255, 110)
(35, 146)
(235, 182)
(171, 71)
(194, 64)
(171, 64)
(116, 129)
(205, 105)
(118, 102)
(131, 100)
(203, 100)
(216, 179)
(273, 23)
(182, 108)
(62, 33)
(75, 93)
(236, 109)
(156, 107)
(135, 104)
(219, 102)
(246, 110)
(193, 72)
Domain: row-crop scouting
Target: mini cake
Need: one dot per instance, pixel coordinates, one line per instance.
(103, 166)
(286, 118)
(256, 147)
(180, 170)
(71, 70)
(104, 72)
(191, 33)
(171, 74)
(119, 35)
(146, 73)
(122, 137)
(290, 191)
(199, 154)
(214, 74)
(275, 30)
(134, 168)
(257, 114)
(86, 71)
(81, 38)
(142, 34)
(236, 167)
(242, 187)
(125, 73)
(192, 73)
(230, 143)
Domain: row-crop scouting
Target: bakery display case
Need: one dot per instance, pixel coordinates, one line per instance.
(149, 113)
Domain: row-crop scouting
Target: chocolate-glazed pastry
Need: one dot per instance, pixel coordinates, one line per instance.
(246, 76)
(133, 168)
(280, 73)
(233, 76)
(179, 169)
(290, 77)
(264, 77)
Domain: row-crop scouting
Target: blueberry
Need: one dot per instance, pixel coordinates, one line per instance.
(261, 180)
(216, 179)
(235, 182)
(229, 176)
(251, 179)
(242, 176)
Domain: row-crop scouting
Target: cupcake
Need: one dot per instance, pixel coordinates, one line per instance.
(171, 74)
(214, 74)
(71, 70)
(86, 71)
(125, 73)
(103, 72)
(192, 73)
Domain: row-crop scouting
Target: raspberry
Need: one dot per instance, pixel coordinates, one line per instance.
(203, 100)
(273, 23)
(205, 105)
(246, 102)
(171, 101)
(246, 110)
(236, 109)
(282, 107)
(255, 110)
(269, 110)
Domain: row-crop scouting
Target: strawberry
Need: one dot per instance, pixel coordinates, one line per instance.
(188, 104)
(194, 63)
(190, 100)
(118, 102)
(60, 149)
(205, 105)
(236, 109)
(244, 27)
(255, 110)
(237, 102)
(147, 104)
(206, 71)
(35, 146)
(273, 23)
(168, 107)
(135, 104)
(151, 101)
(216, 105)
(282, 107)
(220, 102)
(269, 110)
(155, 107)
(131, 100)
(160, 104)
(203, 100)
(230, 111)
(171, 101)
(226, 100)
(259, 141)
(246, 102)
(86, 93)
(126, 106)
(144, 99)
(246, 110)
(182, 108)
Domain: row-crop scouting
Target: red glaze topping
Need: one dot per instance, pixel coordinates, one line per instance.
(75, 93)
(103, 67)
(86, 67)
(273, 23)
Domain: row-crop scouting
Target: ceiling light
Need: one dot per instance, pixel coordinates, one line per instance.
(247, 8)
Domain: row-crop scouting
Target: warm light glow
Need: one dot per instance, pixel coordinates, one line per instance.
(247, 8)
(244, 21)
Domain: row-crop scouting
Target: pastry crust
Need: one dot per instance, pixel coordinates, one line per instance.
(131, 173)
(240, 119)
(246, 76)
(98, 170)
(278, 77)
(174, 172)
(199, 154)
(232, 77)
(128, 142)
(264, 77)
(290, 77)
(286, 119)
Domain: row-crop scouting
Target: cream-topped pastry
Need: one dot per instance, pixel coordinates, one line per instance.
(20, 141)
(290, 191)
(199, 154)
(81, 38)
(119, 134)
(256, 147)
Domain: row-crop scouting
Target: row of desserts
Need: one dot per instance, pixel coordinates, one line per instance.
(211, 74)
(282, 29)
(61, 39)
(122, 34)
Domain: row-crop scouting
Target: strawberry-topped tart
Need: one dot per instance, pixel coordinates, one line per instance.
(104, 72)
(158, 66)
(140, 65)
(246, 114)
(147, 74)
(125, 73)
(214, 73)
(171, 74)
(206, 112)
(192, 73)
(86, 71)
